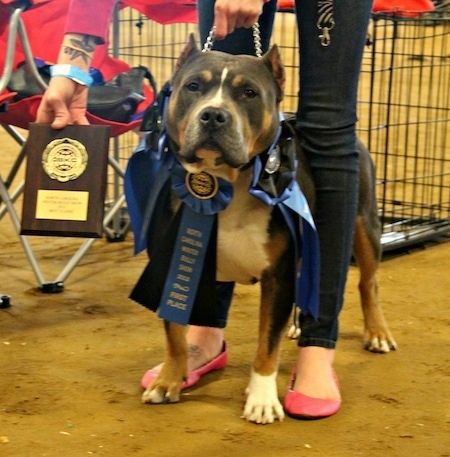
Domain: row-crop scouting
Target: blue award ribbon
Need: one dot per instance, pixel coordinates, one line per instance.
(202, 200)
(186, 266)
(206, 206)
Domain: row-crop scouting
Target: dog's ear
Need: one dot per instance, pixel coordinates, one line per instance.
(189, 49)
(273, 60)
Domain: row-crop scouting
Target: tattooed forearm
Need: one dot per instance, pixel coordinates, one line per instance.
(85, 44)
(80, 46)
(74, 53)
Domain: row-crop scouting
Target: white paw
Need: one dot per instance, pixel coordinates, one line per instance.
(158, 395)
(380, 345)
(293, 332)
(262, 405)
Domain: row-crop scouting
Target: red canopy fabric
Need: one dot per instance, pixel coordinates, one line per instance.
(44, 23)
(408, 8)
(166, 12)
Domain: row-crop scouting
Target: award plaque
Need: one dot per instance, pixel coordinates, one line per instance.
(65, 181)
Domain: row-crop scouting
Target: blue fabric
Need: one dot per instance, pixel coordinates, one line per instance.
(303, 232)
(146, 172)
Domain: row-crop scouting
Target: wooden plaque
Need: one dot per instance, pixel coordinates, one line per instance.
(65, 181)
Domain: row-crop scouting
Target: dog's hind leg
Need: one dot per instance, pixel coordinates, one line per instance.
(367, 252)
(167, 386)
(377, 337)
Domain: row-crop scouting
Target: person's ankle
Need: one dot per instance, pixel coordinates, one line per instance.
(315, 376)
(204, 344)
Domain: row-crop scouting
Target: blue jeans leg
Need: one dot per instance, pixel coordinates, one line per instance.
(326, 119)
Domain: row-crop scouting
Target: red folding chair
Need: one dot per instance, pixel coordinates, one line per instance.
(30, 29)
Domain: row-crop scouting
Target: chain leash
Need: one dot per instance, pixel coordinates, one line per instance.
(256, 39)
(325, 23)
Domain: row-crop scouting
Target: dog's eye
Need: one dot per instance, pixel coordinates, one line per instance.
(192, 86)
(249, 93)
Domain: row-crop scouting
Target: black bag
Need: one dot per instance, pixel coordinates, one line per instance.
(116, 100)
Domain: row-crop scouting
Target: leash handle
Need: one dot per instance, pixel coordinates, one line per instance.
(256, 40)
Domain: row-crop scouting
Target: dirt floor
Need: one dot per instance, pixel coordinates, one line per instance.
(71, 365)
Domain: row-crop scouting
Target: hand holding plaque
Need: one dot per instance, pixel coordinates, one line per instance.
(65, 181)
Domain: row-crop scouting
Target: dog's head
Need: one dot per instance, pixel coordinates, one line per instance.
(224, 109)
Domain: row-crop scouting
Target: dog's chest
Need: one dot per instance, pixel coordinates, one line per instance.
(243, 237)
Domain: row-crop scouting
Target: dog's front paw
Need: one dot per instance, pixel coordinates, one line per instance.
(262, 405)
(162, 392)
(380, 341)
(294, 330)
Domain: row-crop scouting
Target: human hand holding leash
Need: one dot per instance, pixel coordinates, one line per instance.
(231, 15)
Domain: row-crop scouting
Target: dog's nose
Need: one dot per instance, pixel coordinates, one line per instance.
(213, 117)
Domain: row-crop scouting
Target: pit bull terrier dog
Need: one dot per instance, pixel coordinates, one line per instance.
(224, 111)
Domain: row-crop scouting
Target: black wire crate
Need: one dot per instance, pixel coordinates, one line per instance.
(404, 119)
(403, 106)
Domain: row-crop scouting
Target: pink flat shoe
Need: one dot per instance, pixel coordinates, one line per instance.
(218, 363)
(300, 406)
